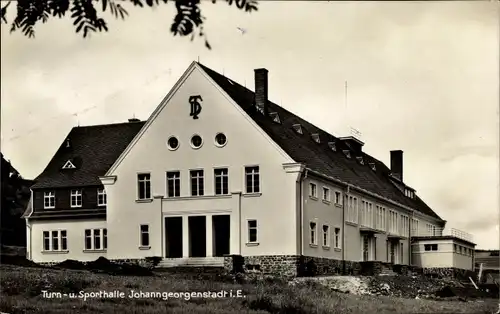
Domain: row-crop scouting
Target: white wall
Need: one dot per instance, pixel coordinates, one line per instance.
(445, 256)
(274, 209)
(76, 240)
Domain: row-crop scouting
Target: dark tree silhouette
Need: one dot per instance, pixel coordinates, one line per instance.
(15, 195)
(86, 19)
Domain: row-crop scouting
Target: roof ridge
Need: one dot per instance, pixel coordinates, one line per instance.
(106, 124)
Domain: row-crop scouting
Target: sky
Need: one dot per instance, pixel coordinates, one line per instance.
(422, 77)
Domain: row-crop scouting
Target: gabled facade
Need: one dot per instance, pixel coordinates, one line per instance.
(219, 171)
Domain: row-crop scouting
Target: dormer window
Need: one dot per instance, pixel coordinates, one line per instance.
(69, 165)
(360, 160)
(332, 146)
(298, 128)
(409, 193)
(347, 153)
(372, 165)
(68, 143)
(275, 116)
(315, 137)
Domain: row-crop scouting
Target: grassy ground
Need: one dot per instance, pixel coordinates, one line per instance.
(22, 293)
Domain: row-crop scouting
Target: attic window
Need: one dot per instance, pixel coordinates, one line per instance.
(347, 153)
(332, 146)
(275, 116)
(69, 165)
(372, 165)
(297, 128)
(409, 193)
(360, 160)
(68, 143)
(315, 137)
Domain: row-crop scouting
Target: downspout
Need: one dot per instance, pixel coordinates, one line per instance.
(344, 201)
(302, 201)
(410, 246)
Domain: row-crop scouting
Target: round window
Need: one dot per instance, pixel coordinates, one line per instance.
(196, 141)
(220, 139)
(173, 143)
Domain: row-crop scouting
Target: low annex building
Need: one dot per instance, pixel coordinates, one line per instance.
(219, 173)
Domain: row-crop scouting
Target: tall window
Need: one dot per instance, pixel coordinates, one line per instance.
(313, 190)
(56, 240)
(380, 218)
(404, 225)
(221, 181)
(49, 200)
(337, 198)
(197, 186)
(352, 209)
(393, 221)
(96, 239)
(326, 194)
(401, 253)
(337, 238)
(313, 233)
(252, 231)
(414, 227)
(144, 235)
(252, 179)
(101, 197)
(173, 183)
(76, 198)
(144, 186)
(326, 236)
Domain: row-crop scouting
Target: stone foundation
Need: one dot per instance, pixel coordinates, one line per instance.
(289, 265)
(449, 272)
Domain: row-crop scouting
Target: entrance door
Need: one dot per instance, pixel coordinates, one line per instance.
(393, 253)
(366, 248)
(197, 236)
(221, 225)
(173, 237)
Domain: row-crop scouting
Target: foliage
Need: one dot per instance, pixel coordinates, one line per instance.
(86, 18)
(15, 195)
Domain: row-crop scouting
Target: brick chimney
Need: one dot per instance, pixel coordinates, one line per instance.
(397, 164)
(261, 90)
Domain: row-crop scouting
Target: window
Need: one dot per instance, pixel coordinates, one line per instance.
(297, 128)
(252, 179)
(76, 198)
(144, 186)
(49, 200)
(326, 194)
(96, 239)
(430, 247)
(380, 218)
(46, 241)
(173, 183)
(401, 253)
(220, 139)
(404, 225)
(252, 231)
(315, 137)
(196, 141)
(414, 227)
(197, 183)
(68, 165)
(366, 214)
(393, 221)
(101, 197)
(337, 198)
(455, 248)
(337, 238)
(313, 238)
(313, 190)
(326, 236)
(221, 181)
(352, 209)
(144, 235)
(56, 240)
(173, 143)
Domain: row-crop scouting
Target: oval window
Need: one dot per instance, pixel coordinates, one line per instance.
(173, 143)
(220, 139)
(196, 141)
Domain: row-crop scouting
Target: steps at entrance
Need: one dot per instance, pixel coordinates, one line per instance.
(387, 272)
(191, 262)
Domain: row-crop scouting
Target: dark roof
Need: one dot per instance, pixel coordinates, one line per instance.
(319, 156)
(93, 150)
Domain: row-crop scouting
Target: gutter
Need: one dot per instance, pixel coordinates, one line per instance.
(303, 176)
(344, 201)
